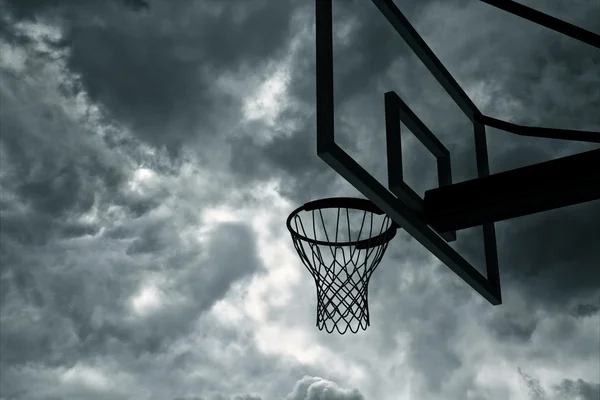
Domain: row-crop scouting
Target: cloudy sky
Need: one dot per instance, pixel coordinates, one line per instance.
(150, 156)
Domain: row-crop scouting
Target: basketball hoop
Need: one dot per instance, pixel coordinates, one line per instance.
(341, 261)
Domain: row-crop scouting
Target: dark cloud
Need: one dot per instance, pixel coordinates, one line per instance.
(414, 300)
(586, 310)
(226, 266)
(78, 244)
(566, 389)
(83, 309)
(189, 44)
(123, 275)
(135, 55)
(586, 390)
(536, 392)
(507, 326)
(97, 315)
(555, 253)
(430, 350)
(48, 181)
(29, 9)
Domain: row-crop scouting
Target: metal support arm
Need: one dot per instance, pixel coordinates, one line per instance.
(541, 187)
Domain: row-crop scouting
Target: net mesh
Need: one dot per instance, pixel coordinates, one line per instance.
(343, 265)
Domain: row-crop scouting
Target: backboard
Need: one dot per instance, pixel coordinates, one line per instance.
(398, 200)
(433, 219)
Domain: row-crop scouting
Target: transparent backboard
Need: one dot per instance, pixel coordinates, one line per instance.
(386, 186)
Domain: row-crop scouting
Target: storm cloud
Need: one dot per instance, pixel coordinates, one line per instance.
(150, 152)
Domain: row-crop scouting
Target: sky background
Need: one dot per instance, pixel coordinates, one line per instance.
(150, 157)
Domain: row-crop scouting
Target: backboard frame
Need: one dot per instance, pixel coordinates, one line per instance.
(402, 213)
(409, 210)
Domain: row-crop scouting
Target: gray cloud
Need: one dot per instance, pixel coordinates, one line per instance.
(566, 389)
(511, 326)
(587, 390)
(586, 310)
(29, 9)
(312, 388)
(307, 388)
(533, 385)
(135, 53)
(79, 246)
